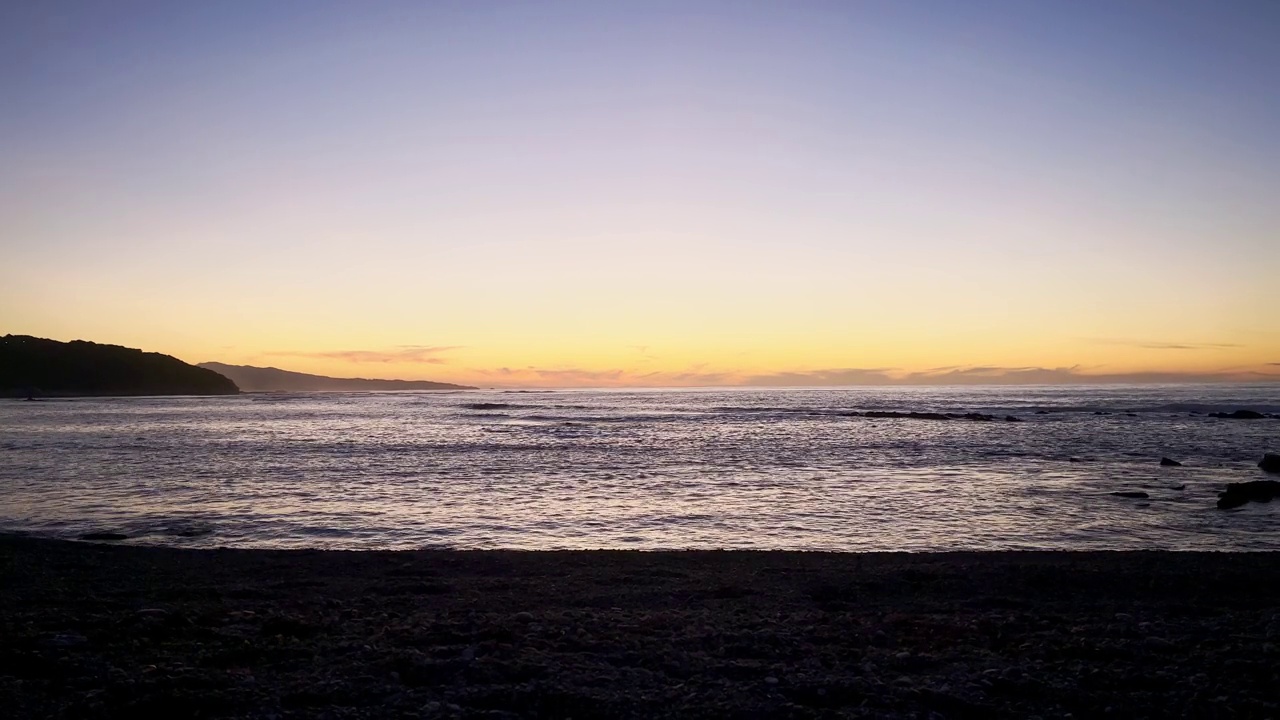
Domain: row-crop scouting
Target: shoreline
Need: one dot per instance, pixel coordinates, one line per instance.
(100, 630)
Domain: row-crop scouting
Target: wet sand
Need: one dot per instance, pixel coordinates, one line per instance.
(95, 630)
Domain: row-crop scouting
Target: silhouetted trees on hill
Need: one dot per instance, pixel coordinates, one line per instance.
(35, 367)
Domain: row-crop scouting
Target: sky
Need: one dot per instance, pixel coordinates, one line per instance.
(650, 193)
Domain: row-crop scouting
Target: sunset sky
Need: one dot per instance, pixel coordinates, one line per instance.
(650, 193)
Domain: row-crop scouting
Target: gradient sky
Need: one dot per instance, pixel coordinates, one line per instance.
(650, 193)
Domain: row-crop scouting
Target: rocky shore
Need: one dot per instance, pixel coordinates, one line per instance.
(97, 631)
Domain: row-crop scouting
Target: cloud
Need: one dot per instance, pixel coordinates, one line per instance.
(997, 375)
(577, 377)
(702, 378)
(1179, 346)
(401, 354)
(834, 376)
(1147, 345)
(643, 350)
(993, 374)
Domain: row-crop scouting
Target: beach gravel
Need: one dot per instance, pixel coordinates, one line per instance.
(102, 631)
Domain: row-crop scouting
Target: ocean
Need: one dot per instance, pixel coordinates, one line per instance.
(742, 468)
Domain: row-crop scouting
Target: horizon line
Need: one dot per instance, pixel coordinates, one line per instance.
(958, 376)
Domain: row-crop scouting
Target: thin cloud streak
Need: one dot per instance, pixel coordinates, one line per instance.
(643, 350)
(995, 375)
(1148, 345)
(425, 354)
(1176, 346)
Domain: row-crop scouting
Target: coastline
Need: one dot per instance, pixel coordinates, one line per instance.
(95, 630)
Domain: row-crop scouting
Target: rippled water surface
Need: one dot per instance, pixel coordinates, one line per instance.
(778, 468)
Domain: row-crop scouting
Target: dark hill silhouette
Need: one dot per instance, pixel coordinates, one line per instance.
(35, 367)
(260, 379)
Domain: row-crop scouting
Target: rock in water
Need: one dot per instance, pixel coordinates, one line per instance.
(1135, 494)
(1238, 494)
(1228, 500)
(1012, 418)
(1169, 463)
(895, 415)
(1239, 415)
(1270, 463)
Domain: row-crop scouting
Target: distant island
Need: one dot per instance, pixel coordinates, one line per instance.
(36, 367)
(267, 379)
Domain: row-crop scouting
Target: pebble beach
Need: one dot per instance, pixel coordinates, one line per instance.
(95, 630)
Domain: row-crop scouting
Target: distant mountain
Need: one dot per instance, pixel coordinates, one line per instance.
(260, 379)
(36, 367)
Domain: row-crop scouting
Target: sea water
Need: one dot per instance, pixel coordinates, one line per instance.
(647, 469)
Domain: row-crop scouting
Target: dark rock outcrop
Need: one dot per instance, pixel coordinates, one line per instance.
(103, 536)
(1238, 494)
(1270, 463)
(31, 366)
(895, 415)
(1012, 418)
(1239, 415)
(1166, 462)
